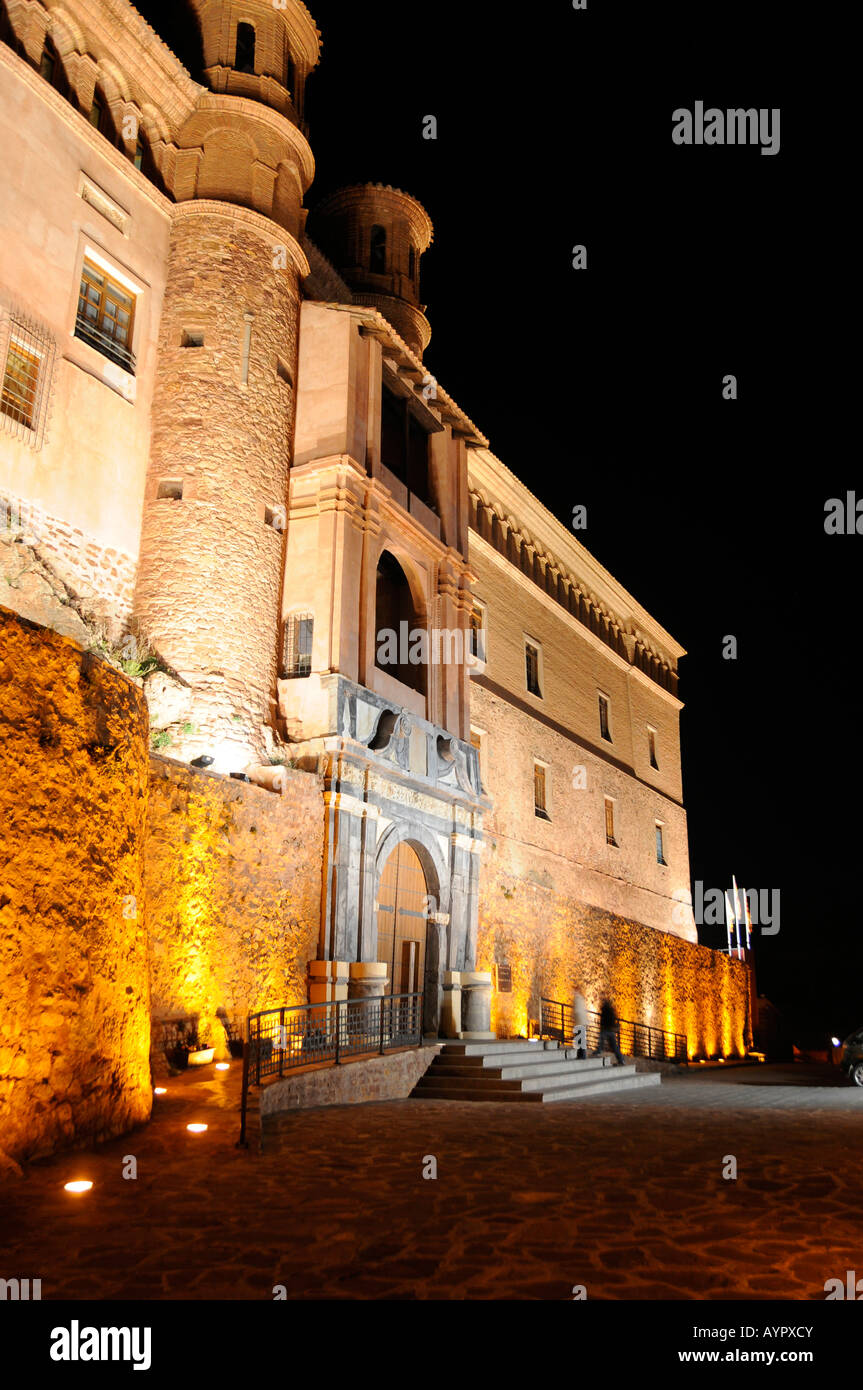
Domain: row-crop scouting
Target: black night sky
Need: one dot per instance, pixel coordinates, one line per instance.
(604, 387)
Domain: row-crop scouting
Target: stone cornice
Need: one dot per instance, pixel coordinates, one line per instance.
(120, 35)
(75, 121)
(496, 484)
(256, 111)
(515, 575)
(269, 232)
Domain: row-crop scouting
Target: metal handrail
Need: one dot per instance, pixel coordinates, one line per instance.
(665, 1046)
(109, 347)
(300, 1035)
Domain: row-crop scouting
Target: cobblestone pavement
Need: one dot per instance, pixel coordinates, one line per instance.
(622, 1195)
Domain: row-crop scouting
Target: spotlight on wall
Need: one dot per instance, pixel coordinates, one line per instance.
(203, 761)
(80, 1185)
(196, 1129)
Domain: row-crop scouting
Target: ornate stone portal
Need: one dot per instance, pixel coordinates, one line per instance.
(391, 778)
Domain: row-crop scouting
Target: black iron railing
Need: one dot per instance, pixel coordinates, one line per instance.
(280, 1040)
(108, 346)
(634, 1039)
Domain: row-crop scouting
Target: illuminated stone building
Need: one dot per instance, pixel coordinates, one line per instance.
(218, 437)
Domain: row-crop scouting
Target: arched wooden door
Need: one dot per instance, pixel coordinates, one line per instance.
(402, 919)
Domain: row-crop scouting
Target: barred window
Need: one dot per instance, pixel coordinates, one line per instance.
(27, 355)
(299, 630)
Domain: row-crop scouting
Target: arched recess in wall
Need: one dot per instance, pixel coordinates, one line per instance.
(398, 622)
(53, 69)
(100, 116)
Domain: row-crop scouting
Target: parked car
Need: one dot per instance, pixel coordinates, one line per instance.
(851, 1060)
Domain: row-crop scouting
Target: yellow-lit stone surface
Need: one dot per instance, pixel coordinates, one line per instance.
(233, 894)
(74, 1021)
(556, 945)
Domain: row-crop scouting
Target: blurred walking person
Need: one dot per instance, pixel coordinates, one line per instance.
(608, 1031)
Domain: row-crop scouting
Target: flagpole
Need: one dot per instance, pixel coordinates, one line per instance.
(736, 919)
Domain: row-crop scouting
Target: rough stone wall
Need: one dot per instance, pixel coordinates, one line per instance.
(99, 579)
(209, 585)
(556, 944)
(391, 1077)
(233, 895)
(74, 993)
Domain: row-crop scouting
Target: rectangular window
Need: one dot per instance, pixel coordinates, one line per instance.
(609, 822)
(651, 740)
(299, 630)
(477, 632)
(405, 446)
(20, 384)
(26, 358)
(540, 792)
(604, 726)
(531, 668)
(660, 847)
(106, 316)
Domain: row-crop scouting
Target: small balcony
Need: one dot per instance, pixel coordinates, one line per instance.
(102, 342)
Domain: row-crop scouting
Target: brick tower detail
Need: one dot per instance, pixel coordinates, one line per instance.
(375, 236)
(212, 545)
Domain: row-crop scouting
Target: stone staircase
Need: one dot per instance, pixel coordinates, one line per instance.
(521, 1071)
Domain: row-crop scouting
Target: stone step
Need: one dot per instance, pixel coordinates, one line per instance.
(576, 1074)
(585, 1090)
(634, 1080)
(476, 1082)
(482, 1049)
(540, 1066)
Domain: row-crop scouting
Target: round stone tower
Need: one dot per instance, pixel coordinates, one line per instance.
(211, 562)
(375, 236)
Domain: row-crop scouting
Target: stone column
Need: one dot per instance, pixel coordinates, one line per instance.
(476, 1004)
(450, 1024)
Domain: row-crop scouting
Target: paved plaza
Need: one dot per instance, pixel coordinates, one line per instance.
(625, 1196)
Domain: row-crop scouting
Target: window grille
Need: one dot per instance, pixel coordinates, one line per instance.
(299, 630)
(27, 357)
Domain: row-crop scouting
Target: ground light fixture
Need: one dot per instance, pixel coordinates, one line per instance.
(79, 1185)
(160, 1090)
(196, 1129)
(223, 1066)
